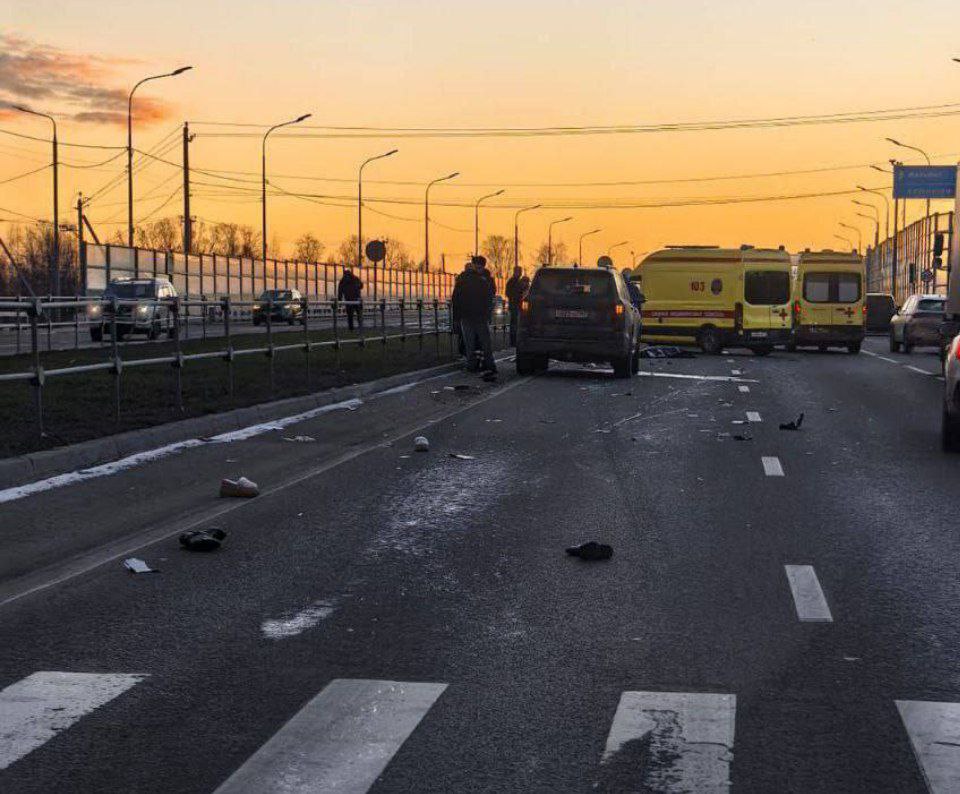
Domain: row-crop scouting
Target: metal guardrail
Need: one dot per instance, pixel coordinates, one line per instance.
(418, 319)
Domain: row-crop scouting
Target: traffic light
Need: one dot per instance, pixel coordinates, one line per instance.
(938, 244)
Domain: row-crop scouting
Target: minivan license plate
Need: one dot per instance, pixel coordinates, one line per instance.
(570, 314)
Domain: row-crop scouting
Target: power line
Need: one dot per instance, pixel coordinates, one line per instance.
(62, 143)
(28, 173)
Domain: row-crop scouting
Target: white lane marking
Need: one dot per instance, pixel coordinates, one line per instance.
(941, 378)
(37, 708)
(743, 389)
(869, 353)
(341, 741)
(890, 360)
(753, 416)
(934, 730)
(808, 596)
(772, 466)
(917, 369)
(685, 739)
(299, 622)
(723, 378)
(150, 455)
(735, 372)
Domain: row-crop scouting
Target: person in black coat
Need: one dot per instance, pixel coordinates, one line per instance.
(517, 287)
(472, 306)
(350, 290)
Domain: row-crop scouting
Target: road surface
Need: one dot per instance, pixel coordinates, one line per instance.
(779, 615)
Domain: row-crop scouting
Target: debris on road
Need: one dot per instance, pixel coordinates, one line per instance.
(136, 565)
(202, 539)
(420, 444)
(494, 420)
(591, 551)
(734, 437)
(461, 456)
(242, 488)
(794, 425)
(300, 439)
(666, 351)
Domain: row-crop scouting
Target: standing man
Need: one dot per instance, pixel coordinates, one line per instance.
(516, 289)
(472, 304)
(349, 290)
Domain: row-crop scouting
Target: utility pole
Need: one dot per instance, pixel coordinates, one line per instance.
(893, 269)
(187, 220)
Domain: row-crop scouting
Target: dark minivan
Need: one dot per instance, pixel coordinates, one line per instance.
(578, 314)
(880, 308)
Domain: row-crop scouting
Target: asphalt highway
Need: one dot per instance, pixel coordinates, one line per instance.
(779, 614)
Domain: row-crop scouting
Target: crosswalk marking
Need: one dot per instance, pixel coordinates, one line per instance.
(673, 741)
(340, 741)
(808, 596)
(753, 416)
(934, 730)
(772, 466)
(38, 707)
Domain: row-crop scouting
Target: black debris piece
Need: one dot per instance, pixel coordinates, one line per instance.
(794, 425)
(202, 539)
(591, 551)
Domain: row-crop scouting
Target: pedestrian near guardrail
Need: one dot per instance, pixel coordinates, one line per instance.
(350, 291)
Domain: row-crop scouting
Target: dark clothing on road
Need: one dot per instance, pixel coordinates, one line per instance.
(350, 289)
(477, 334)
(634, 291)
(472, 306)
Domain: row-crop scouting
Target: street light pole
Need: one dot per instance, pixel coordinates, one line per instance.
(886, 201)
(859, 234)
(847, 240)
(55, 254)
(263, 180)
(875, 218)
(585, 234)
(616, 245)
(360, 203)
(426, 218)
(516, 232)
(550, 238)
(174, 73)
(476, 220)
(914, 149)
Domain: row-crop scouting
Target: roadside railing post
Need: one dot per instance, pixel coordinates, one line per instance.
(270, 339)
(363, 336)
(305, 313)
(228, 356)
(403, 323)
(420, 322)
(38, 378)
(115, 352)
(178, 352)
(336, 331)
(203, 317)
(186, 333)
(76, 324)
(436, 324)
(19, 326)
(383, 325)
(49, 318)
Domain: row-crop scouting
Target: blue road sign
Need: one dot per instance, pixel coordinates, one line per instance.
(924, 181)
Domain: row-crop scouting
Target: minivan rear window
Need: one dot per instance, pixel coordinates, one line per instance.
(567, 284)
(766, 287)
(930, 305)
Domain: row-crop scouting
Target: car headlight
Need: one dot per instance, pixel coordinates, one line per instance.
(143, 311)
(94, 310)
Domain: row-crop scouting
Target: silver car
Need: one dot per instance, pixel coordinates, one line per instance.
(917, 323)
(951, 397)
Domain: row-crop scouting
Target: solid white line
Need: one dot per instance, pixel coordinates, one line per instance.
(869, 353)
(772, 466)
(340, 741)
(687, 737)
(38, 707)
(808, 596)
(934, 730)
(890, 360)
(724, 378)
(917, 369)
(753, 416)
(743, 389)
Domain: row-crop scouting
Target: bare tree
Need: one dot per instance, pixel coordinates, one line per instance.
(559, 253)
(32, 249)
(162, 235)
(499, 253)
(308, 248)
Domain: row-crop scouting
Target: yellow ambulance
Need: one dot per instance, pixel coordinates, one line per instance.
(829, 306)
(717, 297)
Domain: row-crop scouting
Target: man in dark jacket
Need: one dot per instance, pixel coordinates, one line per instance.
(516, 289)
(350, 290)
(472, 305)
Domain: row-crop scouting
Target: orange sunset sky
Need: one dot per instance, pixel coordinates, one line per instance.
(526, 63)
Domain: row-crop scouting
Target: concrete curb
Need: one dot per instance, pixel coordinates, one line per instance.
(48, 463)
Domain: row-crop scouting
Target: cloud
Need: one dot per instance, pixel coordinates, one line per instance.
(76, 85)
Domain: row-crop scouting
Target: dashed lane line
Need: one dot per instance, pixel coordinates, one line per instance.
(934, 730)
(772, 466)
(721, 378)
(743, 389)
(869, 353)
(889, 360)
(753, 416)
(918, 370)
(808, 596)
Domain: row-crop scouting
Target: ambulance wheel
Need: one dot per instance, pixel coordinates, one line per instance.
(763, 350)
(526, 364)
(854, 348)
(710, 341)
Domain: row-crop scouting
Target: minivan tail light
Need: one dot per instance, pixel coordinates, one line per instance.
(524, 305)
(956, 353)
(618, 309)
